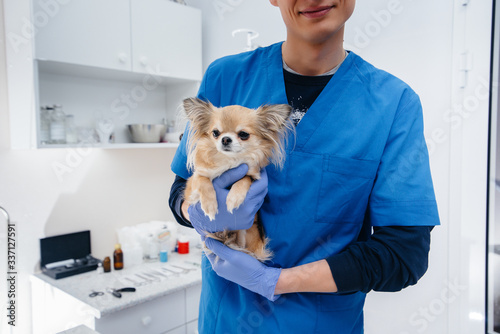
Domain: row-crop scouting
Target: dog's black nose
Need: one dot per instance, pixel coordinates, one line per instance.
(226, 141)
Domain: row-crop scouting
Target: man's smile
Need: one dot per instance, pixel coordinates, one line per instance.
(316, 12)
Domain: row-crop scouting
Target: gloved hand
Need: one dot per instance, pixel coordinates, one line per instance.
(242, 218)
(243, 269)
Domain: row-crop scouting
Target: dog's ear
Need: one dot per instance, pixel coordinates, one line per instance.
(274, 117)
(199, 113)
(274, 126)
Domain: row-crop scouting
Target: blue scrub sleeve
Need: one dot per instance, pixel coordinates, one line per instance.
(403, 194)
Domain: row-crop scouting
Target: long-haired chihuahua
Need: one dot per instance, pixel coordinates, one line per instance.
(224, 138)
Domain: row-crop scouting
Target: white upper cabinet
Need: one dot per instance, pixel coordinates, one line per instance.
(166, 38)
(85, 32)
(131, 61)
(143, 36)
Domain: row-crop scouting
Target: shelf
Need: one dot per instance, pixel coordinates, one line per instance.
(124, 97)
(112, 146)
(55, 67)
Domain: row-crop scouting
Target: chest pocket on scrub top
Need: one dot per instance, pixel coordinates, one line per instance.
(345, 187)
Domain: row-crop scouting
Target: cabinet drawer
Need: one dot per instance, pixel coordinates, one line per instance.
(193, 302)
(156, 316)
(192, 327)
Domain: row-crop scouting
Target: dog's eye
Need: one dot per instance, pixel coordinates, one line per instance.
(216, 133)
(243, 135)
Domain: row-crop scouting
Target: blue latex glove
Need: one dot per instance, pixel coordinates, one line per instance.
(242, 218)
(243, 269)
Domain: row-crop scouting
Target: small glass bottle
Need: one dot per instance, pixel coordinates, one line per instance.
(171, 126)
(153, 250)
(71, 131)
(100, 269)
(45, 120)
(118, 257)
(106, 264)
(58, 126)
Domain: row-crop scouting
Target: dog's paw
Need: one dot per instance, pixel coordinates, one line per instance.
(234, 200)
(209, 207)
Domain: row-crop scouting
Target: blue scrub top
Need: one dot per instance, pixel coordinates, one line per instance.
(358, 158)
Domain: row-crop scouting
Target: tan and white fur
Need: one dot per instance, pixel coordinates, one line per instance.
(224, 138)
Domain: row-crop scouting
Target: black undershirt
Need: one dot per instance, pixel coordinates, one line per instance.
(302, 91)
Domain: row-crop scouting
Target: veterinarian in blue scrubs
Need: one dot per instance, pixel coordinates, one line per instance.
(353, 207)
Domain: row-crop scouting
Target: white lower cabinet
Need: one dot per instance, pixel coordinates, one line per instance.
(192, 327)
(174, 313)
(157, 316)
(178, 330)
(192, 302)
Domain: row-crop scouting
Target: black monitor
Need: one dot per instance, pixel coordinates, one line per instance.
(64, 247)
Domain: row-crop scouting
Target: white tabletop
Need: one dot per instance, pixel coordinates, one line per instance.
(82, 329)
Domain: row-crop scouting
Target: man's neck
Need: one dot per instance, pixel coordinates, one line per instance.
(312, 59)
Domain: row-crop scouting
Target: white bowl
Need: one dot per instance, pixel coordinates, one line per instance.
(173, 137)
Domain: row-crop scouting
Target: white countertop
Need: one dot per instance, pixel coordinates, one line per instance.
(81, 285)
(82, 329)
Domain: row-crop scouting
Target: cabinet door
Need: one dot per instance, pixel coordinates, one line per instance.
(166, 39)
(85, 32)
(156, 316)
(193, 302)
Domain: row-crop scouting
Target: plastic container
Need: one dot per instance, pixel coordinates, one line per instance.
(153, 250)
(45, 124)
(183, 245)
(58, 126)
(71, 130)
(163, 255)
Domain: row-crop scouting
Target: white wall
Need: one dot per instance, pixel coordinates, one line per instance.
(103, 191)
(222, 17)
(413, 40)
(109, 189)
(4, 117)
(420, 42)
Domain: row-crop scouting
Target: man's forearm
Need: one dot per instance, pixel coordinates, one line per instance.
(310, 277)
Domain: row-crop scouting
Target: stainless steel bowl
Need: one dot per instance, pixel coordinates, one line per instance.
(147, 133)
